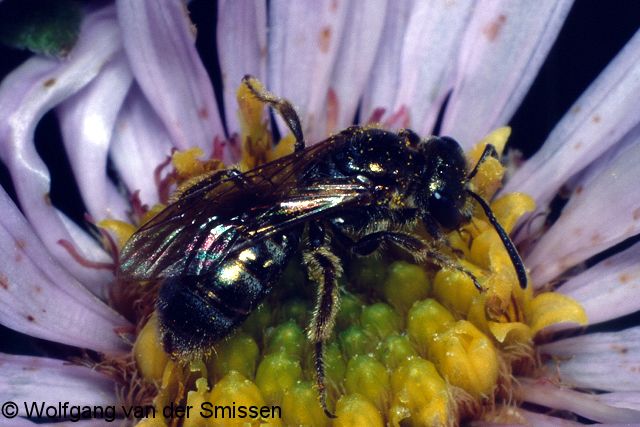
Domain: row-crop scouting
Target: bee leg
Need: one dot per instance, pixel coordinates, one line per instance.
(416, 247)
(324, 268)
(434, 231)
(489, 150)
(214, 179)
(281, 105)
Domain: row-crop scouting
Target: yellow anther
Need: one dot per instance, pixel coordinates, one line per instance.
(509, 208)
(395, 350)
(276, 374)
(119, 229)
(300, 406)
(426, 319)
(238, 353)
(155, 210)
(550, 307)
(354, 410)
(187, 163)
(489, 177)
(195, 399)
(466, 358)
(148, 352)
(405, 284)
(229, 396)
(254, 131)
(284, 147)
(367, 376)
(420, 395)
(455, 290)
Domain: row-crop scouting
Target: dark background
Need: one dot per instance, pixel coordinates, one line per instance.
(593, 33)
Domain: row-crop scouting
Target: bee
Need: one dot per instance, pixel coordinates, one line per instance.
(220, 248)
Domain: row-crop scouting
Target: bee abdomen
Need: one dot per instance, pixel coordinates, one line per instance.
(197, 311)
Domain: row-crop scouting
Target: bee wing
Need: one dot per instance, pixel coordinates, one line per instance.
(222, 214)
(304, 204)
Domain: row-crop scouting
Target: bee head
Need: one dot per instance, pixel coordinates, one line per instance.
(444, 197)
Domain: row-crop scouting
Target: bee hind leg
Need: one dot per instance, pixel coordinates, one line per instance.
(281, 105)
(323, 268)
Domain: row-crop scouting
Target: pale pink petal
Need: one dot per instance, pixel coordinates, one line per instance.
(25, 96)
(621, 399)
(521, 417)
(41, 299)
(505, 44)
(242, 49)
(604, 209)
(160, 45)
(603, 361)
(304, 38)
(353, 62)
(86, 121)
(610, 289)
(427, 66)
(385, 78)
(25, 380)
(140, 143)
(20, 422)
(602, 115)
(586, 405)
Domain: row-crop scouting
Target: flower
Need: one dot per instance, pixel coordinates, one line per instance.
(133, 88)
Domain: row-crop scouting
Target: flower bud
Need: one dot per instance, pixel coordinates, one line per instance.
(380, 320)
(237, 353)
(367, 376)
(405, 284)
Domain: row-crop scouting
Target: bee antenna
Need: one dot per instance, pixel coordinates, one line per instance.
(489, 151)
(506, 241)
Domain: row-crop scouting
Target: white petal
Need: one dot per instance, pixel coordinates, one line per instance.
(159, 42)
(385, 77)
(140, 143)
(622, 399)
(26, 380)
(242, 49)
(602, 115)
(25, 96)
(304, 39)
(431, 42)
(517, 417)
(603, 361)
(586, 405)
(87, 120)
(610, 289)
(603, 211)
(504, 46)
(353, 64)
(39, 298)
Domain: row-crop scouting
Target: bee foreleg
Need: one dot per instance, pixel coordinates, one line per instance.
(372, 242)
(435, 231)
(281, 105)
(324, 268)
(417, 248)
